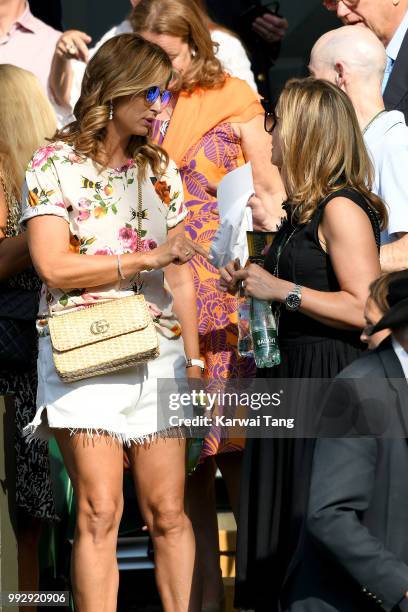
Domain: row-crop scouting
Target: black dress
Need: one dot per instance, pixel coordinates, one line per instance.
(34, 494)
(276, 472)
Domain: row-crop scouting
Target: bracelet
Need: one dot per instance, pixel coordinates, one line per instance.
(195, 362)
(120, 271)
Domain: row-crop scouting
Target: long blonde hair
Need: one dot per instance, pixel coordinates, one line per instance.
(26, 121)
(183, 19)
(322, 147)
(125, 65)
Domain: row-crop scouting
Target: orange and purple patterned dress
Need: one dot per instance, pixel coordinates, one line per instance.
(208, 159)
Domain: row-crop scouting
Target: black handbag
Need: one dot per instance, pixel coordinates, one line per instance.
(18, 334)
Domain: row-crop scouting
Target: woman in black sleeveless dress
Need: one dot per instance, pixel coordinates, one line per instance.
(324, 257)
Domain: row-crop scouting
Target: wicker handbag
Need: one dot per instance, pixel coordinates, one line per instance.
(104, 337)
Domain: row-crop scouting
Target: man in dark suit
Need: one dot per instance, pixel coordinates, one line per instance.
(356, 550)
(388, 19)
(49, 11)
(260, 28)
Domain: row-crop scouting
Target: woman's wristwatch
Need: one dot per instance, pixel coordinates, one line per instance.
(195, 362)
(294, 298)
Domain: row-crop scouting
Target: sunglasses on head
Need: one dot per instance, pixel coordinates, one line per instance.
(152, 94)
(270, 121)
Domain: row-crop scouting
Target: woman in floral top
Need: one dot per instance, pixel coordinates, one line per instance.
(81, 211)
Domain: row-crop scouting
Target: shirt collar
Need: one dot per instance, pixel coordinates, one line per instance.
(396, 41)
(401, 354)
(27, 20)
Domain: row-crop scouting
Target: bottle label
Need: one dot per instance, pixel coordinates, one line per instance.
(264, 340)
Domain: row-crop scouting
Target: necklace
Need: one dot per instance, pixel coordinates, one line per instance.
(280, 249)
(276, 306)
(373, 119)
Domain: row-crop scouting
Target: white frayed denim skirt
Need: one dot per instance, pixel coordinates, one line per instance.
(123, 404)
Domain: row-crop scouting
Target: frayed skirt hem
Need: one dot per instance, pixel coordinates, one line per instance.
(40, 430)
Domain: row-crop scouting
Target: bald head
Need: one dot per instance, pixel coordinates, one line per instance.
(349, 56)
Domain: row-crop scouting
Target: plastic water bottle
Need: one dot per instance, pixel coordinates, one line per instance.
(264, 335)
(245, 347)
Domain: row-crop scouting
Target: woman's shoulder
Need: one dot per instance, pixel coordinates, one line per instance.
(346, 193)
(169, 171)
(348, 205)
(234, 91)
(339, 204)
(238, 87)
(54, 153)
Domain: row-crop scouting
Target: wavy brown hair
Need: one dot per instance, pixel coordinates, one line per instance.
(322, 147)
(125, 65)
(183, 19)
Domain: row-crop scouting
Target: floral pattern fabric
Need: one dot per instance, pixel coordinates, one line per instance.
(207, 161)
(101, 207)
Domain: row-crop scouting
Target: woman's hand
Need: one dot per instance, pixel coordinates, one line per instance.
(271, 28)
(227, 280)
(73, 44)
(176, 250)
(260, 284)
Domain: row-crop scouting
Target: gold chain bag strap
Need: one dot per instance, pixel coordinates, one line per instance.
(13, 211)
(104, 337)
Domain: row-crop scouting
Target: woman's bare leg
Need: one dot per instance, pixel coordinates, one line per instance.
(159, 474)
(95, 466)
(201, 509)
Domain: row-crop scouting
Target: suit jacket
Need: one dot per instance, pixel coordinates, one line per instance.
(262, 54)
(356, 549)
(396, 92)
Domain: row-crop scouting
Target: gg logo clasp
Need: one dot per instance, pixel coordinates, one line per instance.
(99, 327)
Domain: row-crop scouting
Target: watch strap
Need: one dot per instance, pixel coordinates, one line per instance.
(195, 362)
(296, 292)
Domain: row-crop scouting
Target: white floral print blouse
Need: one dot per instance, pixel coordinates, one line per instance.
(100, 206)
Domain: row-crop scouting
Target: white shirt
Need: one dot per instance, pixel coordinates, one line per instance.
(387, 143)
(231, 54)
(233, 57)
(402, 355)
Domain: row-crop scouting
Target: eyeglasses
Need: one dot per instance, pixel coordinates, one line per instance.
(152, 94)
(270, 121)
(331, 5)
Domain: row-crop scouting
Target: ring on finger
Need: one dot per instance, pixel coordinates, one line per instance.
(71, 48)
